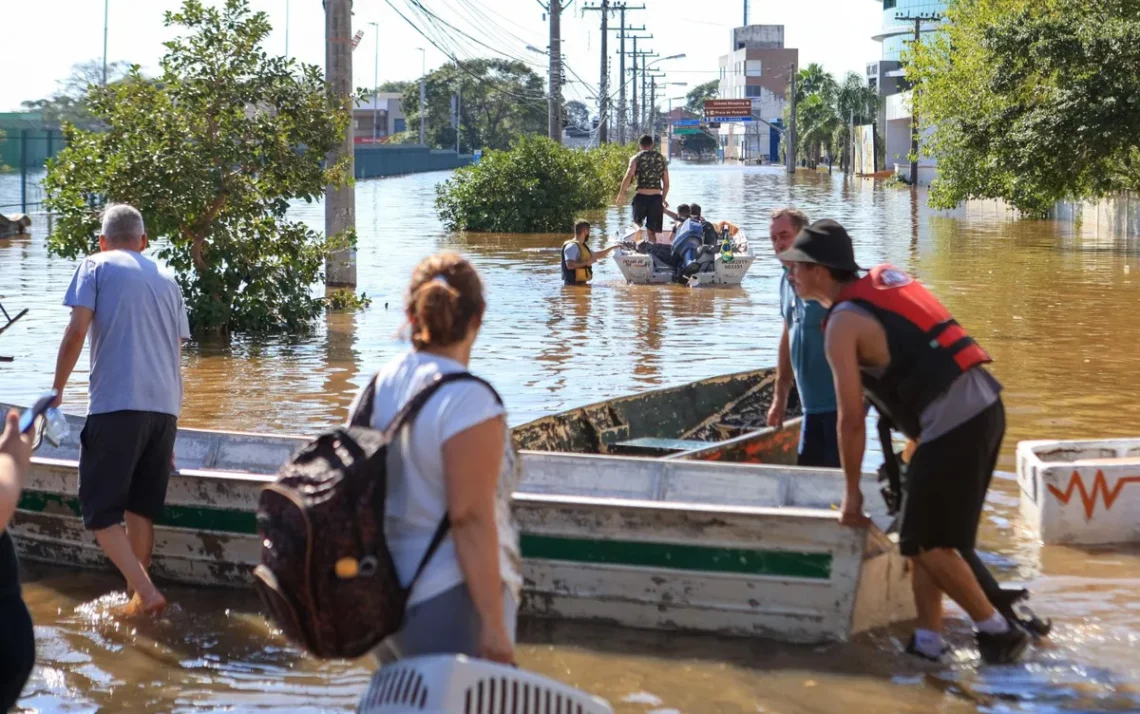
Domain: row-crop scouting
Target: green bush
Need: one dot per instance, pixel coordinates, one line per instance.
(536, 186)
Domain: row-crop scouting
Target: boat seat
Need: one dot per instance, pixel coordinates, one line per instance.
(652, 446)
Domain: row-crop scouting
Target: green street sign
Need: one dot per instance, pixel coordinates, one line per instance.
(687, 130)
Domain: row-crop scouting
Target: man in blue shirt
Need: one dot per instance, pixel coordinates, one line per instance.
(802, 358)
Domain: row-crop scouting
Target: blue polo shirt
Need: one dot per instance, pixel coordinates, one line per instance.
(809, 361)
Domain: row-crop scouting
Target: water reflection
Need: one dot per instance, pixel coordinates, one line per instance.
(1052, 303)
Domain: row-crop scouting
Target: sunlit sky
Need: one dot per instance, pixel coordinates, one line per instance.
(44, 38)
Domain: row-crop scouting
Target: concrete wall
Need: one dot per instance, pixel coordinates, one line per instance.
(759, 36)
(396, 159)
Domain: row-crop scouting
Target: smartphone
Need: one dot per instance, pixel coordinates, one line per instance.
(28, 418)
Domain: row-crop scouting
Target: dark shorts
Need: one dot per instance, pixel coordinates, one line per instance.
(946, 484)
(819, 441)
(651, 209)
(124, 465)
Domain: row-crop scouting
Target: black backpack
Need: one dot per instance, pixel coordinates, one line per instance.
(326, 575)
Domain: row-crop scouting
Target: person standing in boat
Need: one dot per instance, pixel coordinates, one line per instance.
(18, 649)
(802, 359)
(137, 321)
(889, 338)
(455, 461)
(652, 171)
(577, 258)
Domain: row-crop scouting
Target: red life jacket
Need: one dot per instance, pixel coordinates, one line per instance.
(928, 348)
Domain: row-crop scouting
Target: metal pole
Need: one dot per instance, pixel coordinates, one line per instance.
(23, 171)
(644, 108)
(286, 28)
(621, 75)
(458, 115)
(423, 91)
(554, 106)
(633, 88)
(376, 82)
(106, 15)
(790, 137)
(746, 13)
(340, 201)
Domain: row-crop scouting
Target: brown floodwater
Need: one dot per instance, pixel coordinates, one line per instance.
(1056, 306)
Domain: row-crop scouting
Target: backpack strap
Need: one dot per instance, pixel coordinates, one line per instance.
(363, 414)
(405, 416)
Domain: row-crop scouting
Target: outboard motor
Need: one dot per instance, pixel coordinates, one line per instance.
(687, 246)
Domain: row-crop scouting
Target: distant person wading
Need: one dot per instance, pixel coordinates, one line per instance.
(652, 171)
(454, 462)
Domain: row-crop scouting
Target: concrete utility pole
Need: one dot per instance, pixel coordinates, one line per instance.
(790, 137)
(746, 13)
(555, 103)
(106, 16)
(623, 31)
(376, 83)
(423, 91)
(340, 201)
(634, 118)
(603, 85)
(917, 20)
(638, 109)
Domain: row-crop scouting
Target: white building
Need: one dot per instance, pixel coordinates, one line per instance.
(758, 67)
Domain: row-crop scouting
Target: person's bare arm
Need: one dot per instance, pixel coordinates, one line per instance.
(15, 456)
(664, 184)
(471, 463)
(784, 380)
(842, 345)
(626, 181)
(70, 348)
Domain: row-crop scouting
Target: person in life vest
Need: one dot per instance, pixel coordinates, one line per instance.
(887, 337)
(577, 256)
(652, 171)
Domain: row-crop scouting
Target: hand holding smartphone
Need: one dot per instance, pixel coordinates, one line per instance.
(28, 417)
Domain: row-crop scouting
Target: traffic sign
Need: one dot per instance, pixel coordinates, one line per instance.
(721, 108)
(687, 130)
(687, 122)
(734, 119)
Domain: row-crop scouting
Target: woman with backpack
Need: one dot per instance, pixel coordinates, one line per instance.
(453, 461)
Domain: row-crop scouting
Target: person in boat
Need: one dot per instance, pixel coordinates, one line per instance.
(577, 258)
(652, 172)
(679, 218)
(802, 360)
(887, 337)
(18, 653)
(456, 460)
(137, 322)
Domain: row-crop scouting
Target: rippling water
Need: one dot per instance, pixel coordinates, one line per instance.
(1055, 306)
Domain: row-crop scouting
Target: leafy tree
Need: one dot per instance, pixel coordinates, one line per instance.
(69, 102)
(695, 99)
(397, 85)
(212, 154)
(700, 144)
(500, 100)
(577, 113)
(816, 123)
(1031, 101)
(537, 186)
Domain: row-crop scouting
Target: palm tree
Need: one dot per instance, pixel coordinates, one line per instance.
(855, 103)
(814, 79)
(816, 123)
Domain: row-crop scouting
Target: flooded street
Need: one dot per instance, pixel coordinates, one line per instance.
(1056, 306)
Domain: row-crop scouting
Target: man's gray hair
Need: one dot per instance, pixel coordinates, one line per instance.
(122, 223)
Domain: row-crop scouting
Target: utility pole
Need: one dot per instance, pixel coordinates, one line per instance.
(623, 29)
(638, 116)
(554, 10)
(746, 13)
(340, 201)
(634, 118)
(106, 15)
(603, 84)
(376, 83)
(423, 90)
(790, 137)
(458, 115)
(917, 20)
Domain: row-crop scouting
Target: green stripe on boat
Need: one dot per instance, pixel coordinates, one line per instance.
(679, 557)
(669, 556)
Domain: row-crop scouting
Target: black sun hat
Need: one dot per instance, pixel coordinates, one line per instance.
(825, 243)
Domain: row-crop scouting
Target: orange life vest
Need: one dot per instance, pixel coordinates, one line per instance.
(928, 348)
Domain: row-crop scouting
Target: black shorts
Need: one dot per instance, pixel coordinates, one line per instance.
(124, 465)
(946, 484)
(651, 209)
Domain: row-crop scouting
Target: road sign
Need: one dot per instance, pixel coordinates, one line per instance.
(734, 119)
(687, 130)
(721, 108)
(687, 122)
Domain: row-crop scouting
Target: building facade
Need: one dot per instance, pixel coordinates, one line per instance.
(888, 77)
(758, 67)
(384, 112)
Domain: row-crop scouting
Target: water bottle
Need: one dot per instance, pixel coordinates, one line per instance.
(725, 246)
(56, 428)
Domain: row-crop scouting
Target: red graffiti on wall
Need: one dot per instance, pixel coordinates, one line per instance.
(1100, 486)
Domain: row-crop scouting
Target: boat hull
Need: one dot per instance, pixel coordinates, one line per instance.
(667, 544)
